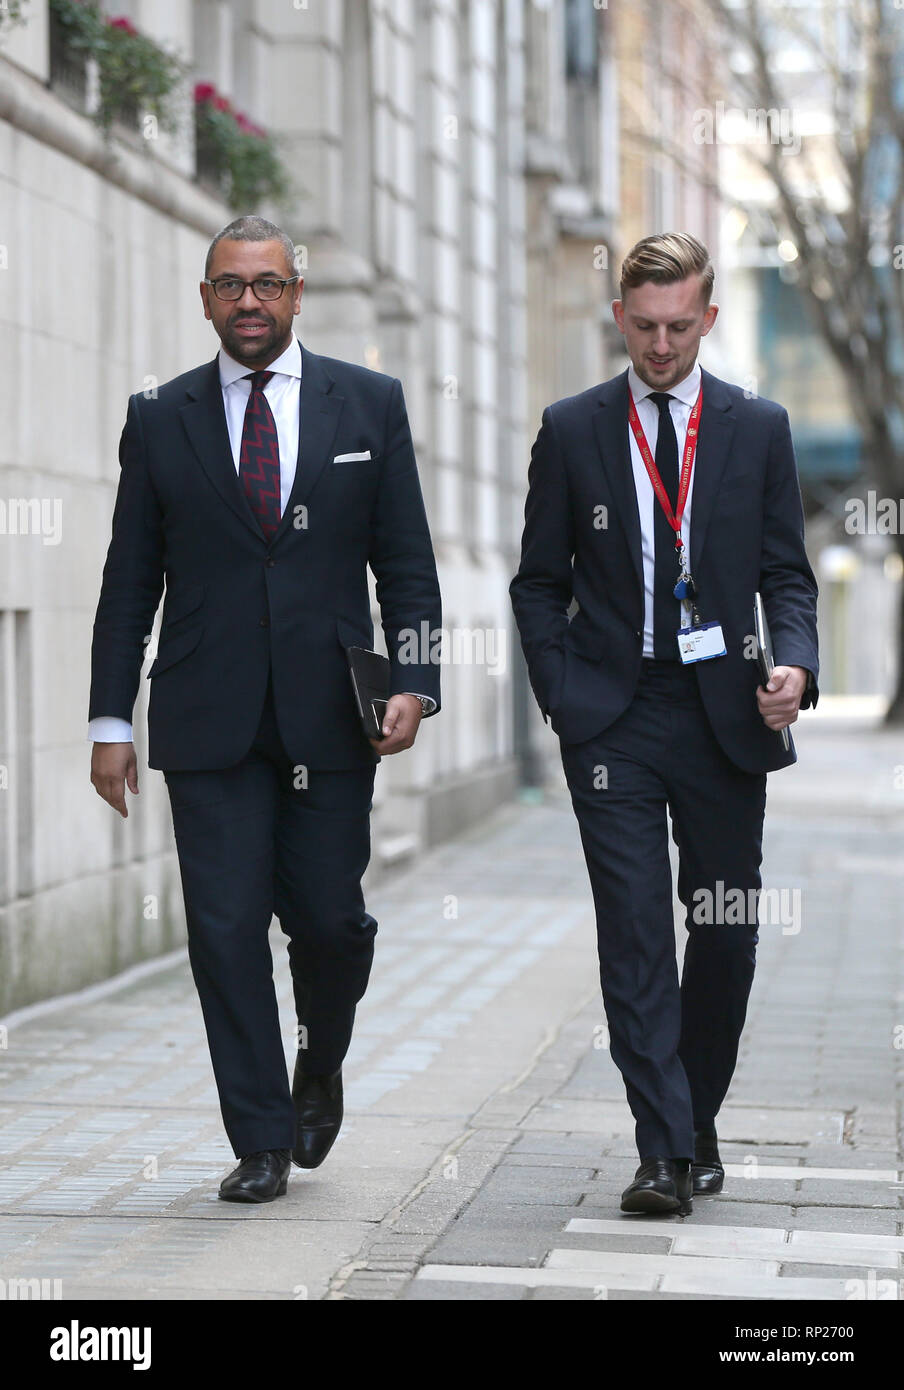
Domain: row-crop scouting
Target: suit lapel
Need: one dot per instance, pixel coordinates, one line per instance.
(717, 427)
(204, 418)
(610, 424)
(318, 420)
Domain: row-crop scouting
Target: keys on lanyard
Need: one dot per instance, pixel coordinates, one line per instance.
(685, 589)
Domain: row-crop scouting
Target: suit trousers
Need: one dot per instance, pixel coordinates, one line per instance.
(259, 838)
(676, 1044)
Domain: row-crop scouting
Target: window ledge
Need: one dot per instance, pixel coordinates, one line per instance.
(33, 108)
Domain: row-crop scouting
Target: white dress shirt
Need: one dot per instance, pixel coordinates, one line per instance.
(685, 394)
(283, 393)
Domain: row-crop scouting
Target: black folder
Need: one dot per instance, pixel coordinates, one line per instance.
(370, 682)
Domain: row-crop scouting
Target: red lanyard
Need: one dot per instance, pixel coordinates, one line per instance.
(687, 465)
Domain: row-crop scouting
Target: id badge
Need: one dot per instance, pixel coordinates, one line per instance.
(700, 643)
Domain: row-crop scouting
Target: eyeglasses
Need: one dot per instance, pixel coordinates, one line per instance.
(228, 287)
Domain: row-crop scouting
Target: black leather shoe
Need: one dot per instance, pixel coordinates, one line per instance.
(318, 1105)
(659, 1189)
(259, 1177)
(707, 1170)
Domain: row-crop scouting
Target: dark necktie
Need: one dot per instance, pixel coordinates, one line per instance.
(666, 611)
(259, 457)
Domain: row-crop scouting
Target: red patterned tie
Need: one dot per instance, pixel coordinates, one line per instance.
(259, 456)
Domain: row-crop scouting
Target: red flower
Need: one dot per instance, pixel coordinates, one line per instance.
(243, 122)
(221, 103)
(122, 23)
(204, 91)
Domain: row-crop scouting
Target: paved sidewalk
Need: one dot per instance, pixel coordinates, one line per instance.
(487, 1138)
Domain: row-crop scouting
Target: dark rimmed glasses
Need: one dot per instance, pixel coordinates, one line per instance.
(230, 287)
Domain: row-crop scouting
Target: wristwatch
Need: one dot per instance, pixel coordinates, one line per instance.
(425, 702)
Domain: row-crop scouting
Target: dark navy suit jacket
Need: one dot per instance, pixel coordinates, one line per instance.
(746, 535)
(236, 603)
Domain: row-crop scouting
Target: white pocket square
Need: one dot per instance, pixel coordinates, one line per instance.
(352, 458)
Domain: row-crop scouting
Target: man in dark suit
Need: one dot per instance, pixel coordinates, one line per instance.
(618, 475)
(260, 487)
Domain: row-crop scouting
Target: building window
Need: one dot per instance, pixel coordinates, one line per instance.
(581, 40)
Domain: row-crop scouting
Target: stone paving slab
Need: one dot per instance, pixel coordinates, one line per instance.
(624, 1274)
(741, 1124)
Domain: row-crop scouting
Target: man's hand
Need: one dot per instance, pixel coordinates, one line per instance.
(779, 701)
(113, 765)
(400, 724)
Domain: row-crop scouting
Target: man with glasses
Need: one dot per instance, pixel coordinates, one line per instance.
(260, 487)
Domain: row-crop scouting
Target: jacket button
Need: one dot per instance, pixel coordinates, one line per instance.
(265, 622)
(269, 563)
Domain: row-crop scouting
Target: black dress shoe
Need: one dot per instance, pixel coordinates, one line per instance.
(259, 1177)
(318, 1105)
(659, 1188)
(707, 1170)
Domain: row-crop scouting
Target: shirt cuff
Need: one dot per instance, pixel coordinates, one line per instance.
(107, 728)
(429, 698)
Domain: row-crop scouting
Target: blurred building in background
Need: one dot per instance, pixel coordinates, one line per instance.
(768, 336)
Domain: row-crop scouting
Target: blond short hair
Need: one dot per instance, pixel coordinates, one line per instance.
(665, 259)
